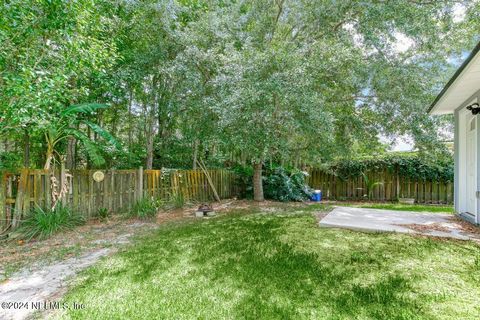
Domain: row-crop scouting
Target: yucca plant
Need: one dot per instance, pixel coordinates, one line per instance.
(103, 214)
(42, 224)
(66, 126)
(177, 200)
(144, 208)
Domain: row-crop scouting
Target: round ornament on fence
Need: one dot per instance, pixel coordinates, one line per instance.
(98, 176)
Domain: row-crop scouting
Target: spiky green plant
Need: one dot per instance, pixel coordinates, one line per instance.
(41, 223)
(103, 214)
(144, 208)
(177, 200)
(68, 125)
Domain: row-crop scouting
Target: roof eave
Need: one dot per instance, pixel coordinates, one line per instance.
(455, 76)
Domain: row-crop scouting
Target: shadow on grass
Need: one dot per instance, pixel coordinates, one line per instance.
(267, 266)
(281, 282)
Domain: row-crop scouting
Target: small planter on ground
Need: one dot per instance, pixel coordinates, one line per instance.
(406, 200)
(204, 210)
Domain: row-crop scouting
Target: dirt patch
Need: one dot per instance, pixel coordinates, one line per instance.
(466, 226)
(454, 224)
(426, 227)
(173, 215)
(94, 235)
(46, 266)
(38, 286)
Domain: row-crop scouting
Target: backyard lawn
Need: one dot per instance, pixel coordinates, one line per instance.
(276, 263)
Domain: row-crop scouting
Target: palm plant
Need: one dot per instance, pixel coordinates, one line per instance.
(370, 184)
(65, 127)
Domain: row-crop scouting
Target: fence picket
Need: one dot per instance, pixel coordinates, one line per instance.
(393, 186)
(20, 192)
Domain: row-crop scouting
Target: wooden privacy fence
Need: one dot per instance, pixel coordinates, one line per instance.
(391, 187)
(119, 189)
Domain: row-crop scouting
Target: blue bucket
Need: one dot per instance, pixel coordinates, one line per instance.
(317, 196)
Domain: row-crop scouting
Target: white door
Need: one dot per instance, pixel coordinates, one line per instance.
(471, 165)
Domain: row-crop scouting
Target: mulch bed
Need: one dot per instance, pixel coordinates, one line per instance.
(466, 226)
(456, 223)
(426, 227)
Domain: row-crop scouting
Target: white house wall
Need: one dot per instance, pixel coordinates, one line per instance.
(477, 118)
(461, 123)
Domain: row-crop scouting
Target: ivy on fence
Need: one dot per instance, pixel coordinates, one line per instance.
(408, 165)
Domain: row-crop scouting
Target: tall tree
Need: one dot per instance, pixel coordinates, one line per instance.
(53, 54)
(264, 80)
(312, 74)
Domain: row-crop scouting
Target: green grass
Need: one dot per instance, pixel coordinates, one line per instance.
(280, 266)
(405, 207)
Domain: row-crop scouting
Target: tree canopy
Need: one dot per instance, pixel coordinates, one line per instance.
(299, 82)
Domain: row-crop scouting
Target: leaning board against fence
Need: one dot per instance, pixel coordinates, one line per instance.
(118, 190)
(388, 186)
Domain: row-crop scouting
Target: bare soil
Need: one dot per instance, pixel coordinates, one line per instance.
(455, 223)
(94, 235)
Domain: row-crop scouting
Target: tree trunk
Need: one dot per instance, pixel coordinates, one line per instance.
(89, 134)
(195, 154)
(150, 136)
(130, 120)
(48, 159)
(26, 150)
(70, 161)
(150, 114)
(149, 160)
(257, 182)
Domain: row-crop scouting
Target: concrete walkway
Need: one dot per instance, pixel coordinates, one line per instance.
(376, 220)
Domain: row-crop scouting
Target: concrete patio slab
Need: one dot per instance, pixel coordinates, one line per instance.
(377, 220)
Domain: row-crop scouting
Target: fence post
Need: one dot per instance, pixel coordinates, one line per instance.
(398, 184)
(139, 183)
(174, 183)
(111, 200)
(3, 189)
(19, 201)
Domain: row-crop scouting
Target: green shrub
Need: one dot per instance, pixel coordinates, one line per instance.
(176, 200)
(10, 161)
(286, 185)
(42, 224)
(103, 214)
(145, 208)
(279, 183)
